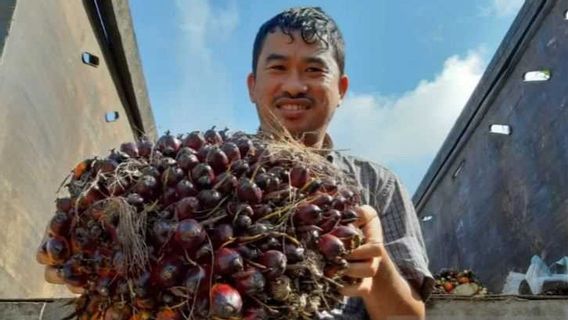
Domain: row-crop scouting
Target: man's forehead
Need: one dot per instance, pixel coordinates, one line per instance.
(280, 44)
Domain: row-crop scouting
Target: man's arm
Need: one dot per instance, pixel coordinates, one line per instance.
(385, 292)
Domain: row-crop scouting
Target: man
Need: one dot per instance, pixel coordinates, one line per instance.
(298, 78)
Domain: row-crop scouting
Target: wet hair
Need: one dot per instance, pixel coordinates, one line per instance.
(313, 24)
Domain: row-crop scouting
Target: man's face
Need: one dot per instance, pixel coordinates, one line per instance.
(299, 83)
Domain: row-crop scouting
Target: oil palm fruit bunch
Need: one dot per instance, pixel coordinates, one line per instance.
(207, 225)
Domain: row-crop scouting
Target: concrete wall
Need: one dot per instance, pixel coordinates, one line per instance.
(52, 115)
(508, 201)
(439, 308)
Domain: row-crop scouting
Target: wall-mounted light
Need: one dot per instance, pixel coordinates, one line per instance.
(90, 59)
(537, 75)
(427, 218)
(500, 129)
(111, 116)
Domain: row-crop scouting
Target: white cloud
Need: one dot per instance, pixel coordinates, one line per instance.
(412, 127)
(203, 96)
(504, 8)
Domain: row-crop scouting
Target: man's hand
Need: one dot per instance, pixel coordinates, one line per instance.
(365, 260)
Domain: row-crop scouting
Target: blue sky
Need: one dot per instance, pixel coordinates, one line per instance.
(412, 65)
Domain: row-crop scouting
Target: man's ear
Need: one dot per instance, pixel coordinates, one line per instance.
(343, 86)
(251, 82)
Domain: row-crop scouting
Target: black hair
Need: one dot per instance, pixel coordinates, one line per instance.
(313, 24)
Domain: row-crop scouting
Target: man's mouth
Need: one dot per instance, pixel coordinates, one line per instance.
(292, 107)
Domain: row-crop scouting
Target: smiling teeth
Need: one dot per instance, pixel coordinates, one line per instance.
(292, 107)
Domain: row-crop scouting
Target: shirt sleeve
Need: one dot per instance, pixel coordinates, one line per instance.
(402, 233)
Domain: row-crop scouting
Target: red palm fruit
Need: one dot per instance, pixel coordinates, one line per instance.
(270, 243)
(196, 280)
(294, 253)
(81, 168)
(299, 176)
(185, 188)
(71, 273)
(41, 254)
(64, 204)
(307, 214)
(169, 196)
(209, 198)
(103, 166)
(261, 210)
(130, 148)
(59, 224)
(225, 183)
(168, 144)
(212, 136)
(135, 199)
(167, 313)
(339, 203)
(240, 167)
(202, 170)
(281, 173)
(162, 231)
(248, 191)
(247, 252)
(187, 160)
(232, 151)
(144, 303)
(275, 263)
(57, 250)
(203, 152)
(330, 220)
(228, 261)
(221, 234)
(256, 229)
(349, 216)
(217, 159)
(249, 281)
(186, 207)
(226, 302)
(189, 234)
(312, 186)
(151, 171)
(236, 208)
(171, 176)
(246, 147)
(349, 235)
(146, 186)
(329, 185)
(86, 199)
(194, 140)
(167, 272)
(242, 222)
(145, 147)
(118, 311)
(164, 163)
(203, 254)
(331, 247)
(102, 260)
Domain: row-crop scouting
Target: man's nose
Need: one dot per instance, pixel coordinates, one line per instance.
(294, 85)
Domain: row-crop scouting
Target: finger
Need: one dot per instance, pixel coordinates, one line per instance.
(366, 215)
(363, 269)
(368, 250)
(76, 290)
(52, 275)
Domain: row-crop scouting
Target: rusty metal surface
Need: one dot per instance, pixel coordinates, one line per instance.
(509, 200)
(52, 115)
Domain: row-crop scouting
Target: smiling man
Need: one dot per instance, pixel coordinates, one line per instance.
(298, 79)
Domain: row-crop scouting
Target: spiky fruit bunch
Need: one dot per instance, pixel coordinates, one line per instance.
(204, 226)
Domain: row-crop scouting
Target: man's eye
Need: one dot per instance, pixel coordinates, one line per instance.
(314, 69)
(277, 67)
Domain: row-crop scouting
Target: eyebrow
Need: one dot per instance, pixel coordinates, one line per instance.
(280, 57)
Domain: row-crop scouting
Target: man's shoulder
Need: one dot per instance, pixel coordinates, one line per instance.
(363, 165)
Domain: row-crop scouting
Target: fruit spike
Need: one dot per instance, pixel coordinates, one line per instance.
(215, 217)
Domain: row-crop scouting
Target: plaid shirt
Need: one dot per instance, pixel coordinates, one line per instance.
(382, 190)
